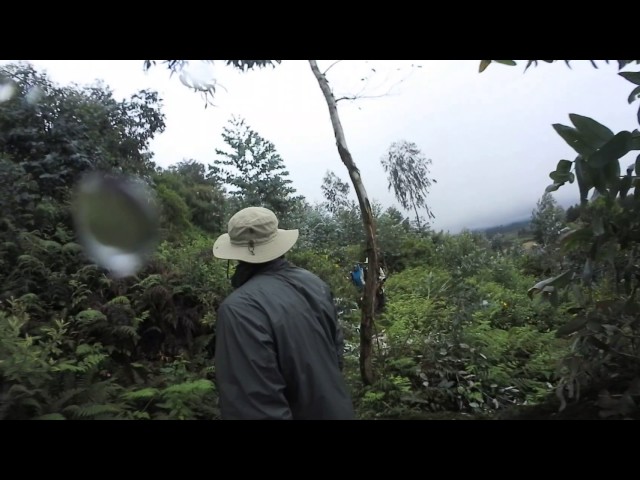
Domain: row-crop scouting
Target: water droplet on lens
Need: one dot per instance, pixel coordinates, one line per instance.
(116, 221)
(7, 90)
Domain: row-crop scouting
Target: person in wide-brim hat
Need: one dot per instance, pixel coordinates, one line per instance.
(254, 237)
(279, 346)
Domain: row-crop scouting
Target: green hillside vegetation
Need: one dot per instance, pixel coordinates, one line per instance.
(477, 325)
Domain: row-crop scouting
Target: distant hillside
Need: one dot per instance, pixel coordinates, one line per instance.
(509, 229)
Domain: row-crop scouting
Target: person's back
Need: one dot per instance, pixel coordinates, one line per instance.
(279, 349)
(278, 341)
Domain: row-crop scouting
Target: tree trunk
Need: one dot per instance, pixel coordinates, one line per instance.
(417, 218)
(371, 284)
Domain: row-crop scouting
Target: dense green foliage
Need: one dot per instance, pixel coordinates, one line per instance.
(463, 334)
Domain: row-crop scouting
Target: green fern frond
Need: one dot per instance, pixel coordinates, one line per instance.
(87, 411)
(87, 270)
(51, 416)
(141, 415)
(67, 367)
(27, 262)
(29, 299)
(119, 301)
(19, 390)
(90, 316)
(72, 248)
(6, 246)
(150, 281)
(196, 387)
(50, 246)
(84, 349)
(127, 330)
(141, 317)
(92, 361)
(65, 397)
(143, 394)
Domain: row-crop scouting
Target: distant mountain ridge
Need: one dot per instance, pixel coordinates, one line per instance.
(513, 227)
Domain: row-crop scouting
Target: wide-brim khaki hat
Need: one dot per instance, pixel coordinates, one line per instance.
(254, 237)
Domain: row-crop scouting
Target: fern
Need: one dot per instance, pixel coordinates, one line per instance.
(29, 263)
(92, 361)
(65, 397)
(143, 394)
(140, 415)
(51, 416)
(119, 301)
(150, 281)
(68, 367)
(72, 248)
(29, 299)
(87, 317)
(127, 330)
(87, 411)
(80, 293)
(84, 349)
(50, 246)
(196, 387)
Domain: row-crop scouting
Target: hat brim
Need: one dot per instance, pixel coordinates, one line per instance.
(281, 244)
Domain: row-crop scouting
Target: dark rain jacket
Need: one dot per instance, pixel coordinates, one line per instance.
(279, 347)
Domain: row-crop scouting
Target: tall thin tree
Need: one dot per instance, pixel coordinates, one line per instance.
(407, 170)
(369, 297)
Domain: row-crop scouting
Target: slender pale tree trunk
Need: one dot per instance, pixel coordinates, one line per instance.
(417, 218)
(371, 285)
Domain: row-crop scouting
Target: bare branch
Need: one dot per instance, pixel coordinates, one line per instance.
(367, 81)
(360, 97)
(334, 63)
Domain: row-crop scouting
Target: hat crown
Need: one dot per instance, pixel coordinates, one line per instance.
(255, 225)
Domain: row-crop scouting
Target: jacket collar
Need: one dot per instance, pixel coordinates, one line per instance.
(245, 271)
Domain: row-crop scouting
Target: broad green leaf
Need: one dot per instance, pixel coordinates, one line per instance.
(506, 62)
(596, 342)
(611, 174)
(573, 138)
(584, 177)
(575, 237)
(484, 64)
(562, 177)
(624, 63)
(556, 282)
(633, 96)
(599, 182)
(625, 185)
(571, 326)
(612, 151)
(615, 186)
(573, 310)
(594, 133)
(564, 166)
(633, 77)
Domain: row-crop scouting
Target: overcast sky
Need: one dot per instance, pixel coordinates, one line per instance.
(489, 135)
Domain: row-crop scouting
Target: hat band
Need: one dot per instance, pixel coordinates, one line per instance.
(253, 242)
